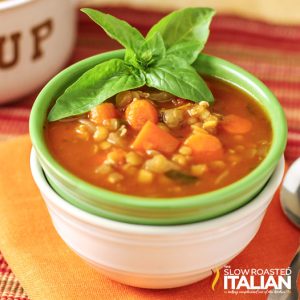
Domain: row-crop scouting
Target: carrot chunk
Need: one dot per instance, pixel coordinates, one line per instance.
(153, 137)
(139, 112)
(101, 112)
(236, 125)
(205, 147)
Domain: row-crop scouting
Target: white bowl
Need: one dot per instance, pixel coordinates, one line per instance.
(156, 256)
(38, 37)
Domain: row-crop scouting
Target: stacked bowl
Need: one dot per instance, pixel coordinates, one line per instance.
(157, 243)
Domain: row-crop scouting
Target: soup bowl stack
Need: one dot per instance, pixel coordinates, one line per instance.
(157, 243)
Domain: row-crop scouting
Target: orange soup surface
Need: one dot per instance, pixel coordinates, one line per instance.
(153, 144)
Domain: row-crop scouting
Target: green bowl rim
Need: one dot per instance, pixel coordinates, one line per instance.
(279, 127)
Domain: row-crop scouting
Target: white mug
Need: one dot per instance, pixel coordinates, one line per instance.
(36, 40)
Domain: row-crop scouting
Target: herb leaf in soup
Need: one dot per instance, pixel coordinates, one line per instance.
(185, 32)
(181, 177)
(175, 76)
(95, 86)
(153, 49)
(119, 30)
(161, 60)
(140, 51)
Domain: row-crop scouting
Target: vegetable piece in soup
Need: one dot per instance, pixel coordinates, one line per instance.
(152, 144)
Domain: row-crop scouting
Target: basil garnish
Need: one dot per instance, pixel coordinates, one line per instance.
(161, 60)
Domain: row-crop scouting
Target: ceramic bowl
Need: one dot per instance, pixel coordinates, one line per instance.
(156, 256)
(160, 211)
(37, 40)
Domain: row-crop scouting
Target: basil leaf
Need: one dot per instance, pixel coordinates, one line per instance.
(185, 31)
(181, 177)
(132, 59)
(125, 34)
(176, 76)
(152, 50)
(95, 86)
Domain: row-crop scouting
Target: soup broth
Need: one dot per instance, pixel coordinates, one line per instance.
(152, 144)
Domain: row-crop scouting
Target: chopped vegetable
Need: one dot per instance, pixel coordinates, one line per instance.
(100, 134)
(115, 157)
(115, 177)
(103, 169)
(105, 145)
(199, 170)
(89, 124)
(161, 96)
(139, 112)
(124, 98)
(83, 132)
(172, 117)
(159, 164)
(181, 177)
(145, 176)
(236, 125)
(184, 150)
(154, 138)
(205, 147)
(133, 159)
(180, 159)
(101, 112)
(112, 124)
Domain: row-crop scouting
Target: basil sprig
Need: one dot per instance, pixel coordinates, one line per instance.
(163, 60)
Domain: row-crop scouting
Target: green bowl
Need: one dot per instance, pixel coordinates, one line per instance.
(158, 211)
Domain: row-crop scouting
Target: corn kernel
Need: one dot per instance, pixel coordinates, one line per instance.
(204, 115)
(145, 176)
(199, 170)
(134, 159)
(159, 164)
(83, 132)
(210, 124)
(204, 104)
(129, 169)
(111, 124)
(115, 157)
(100, 134)
(115, 139)
(197, 128)
(103, 169)
(115, 177)
(105, 145)
(185, 150)
(179, 159)
(192, 120)
(122, 131)
(218, 165)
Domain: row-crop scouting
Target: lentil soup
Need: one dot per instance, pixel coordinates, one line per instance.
(152, 144)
